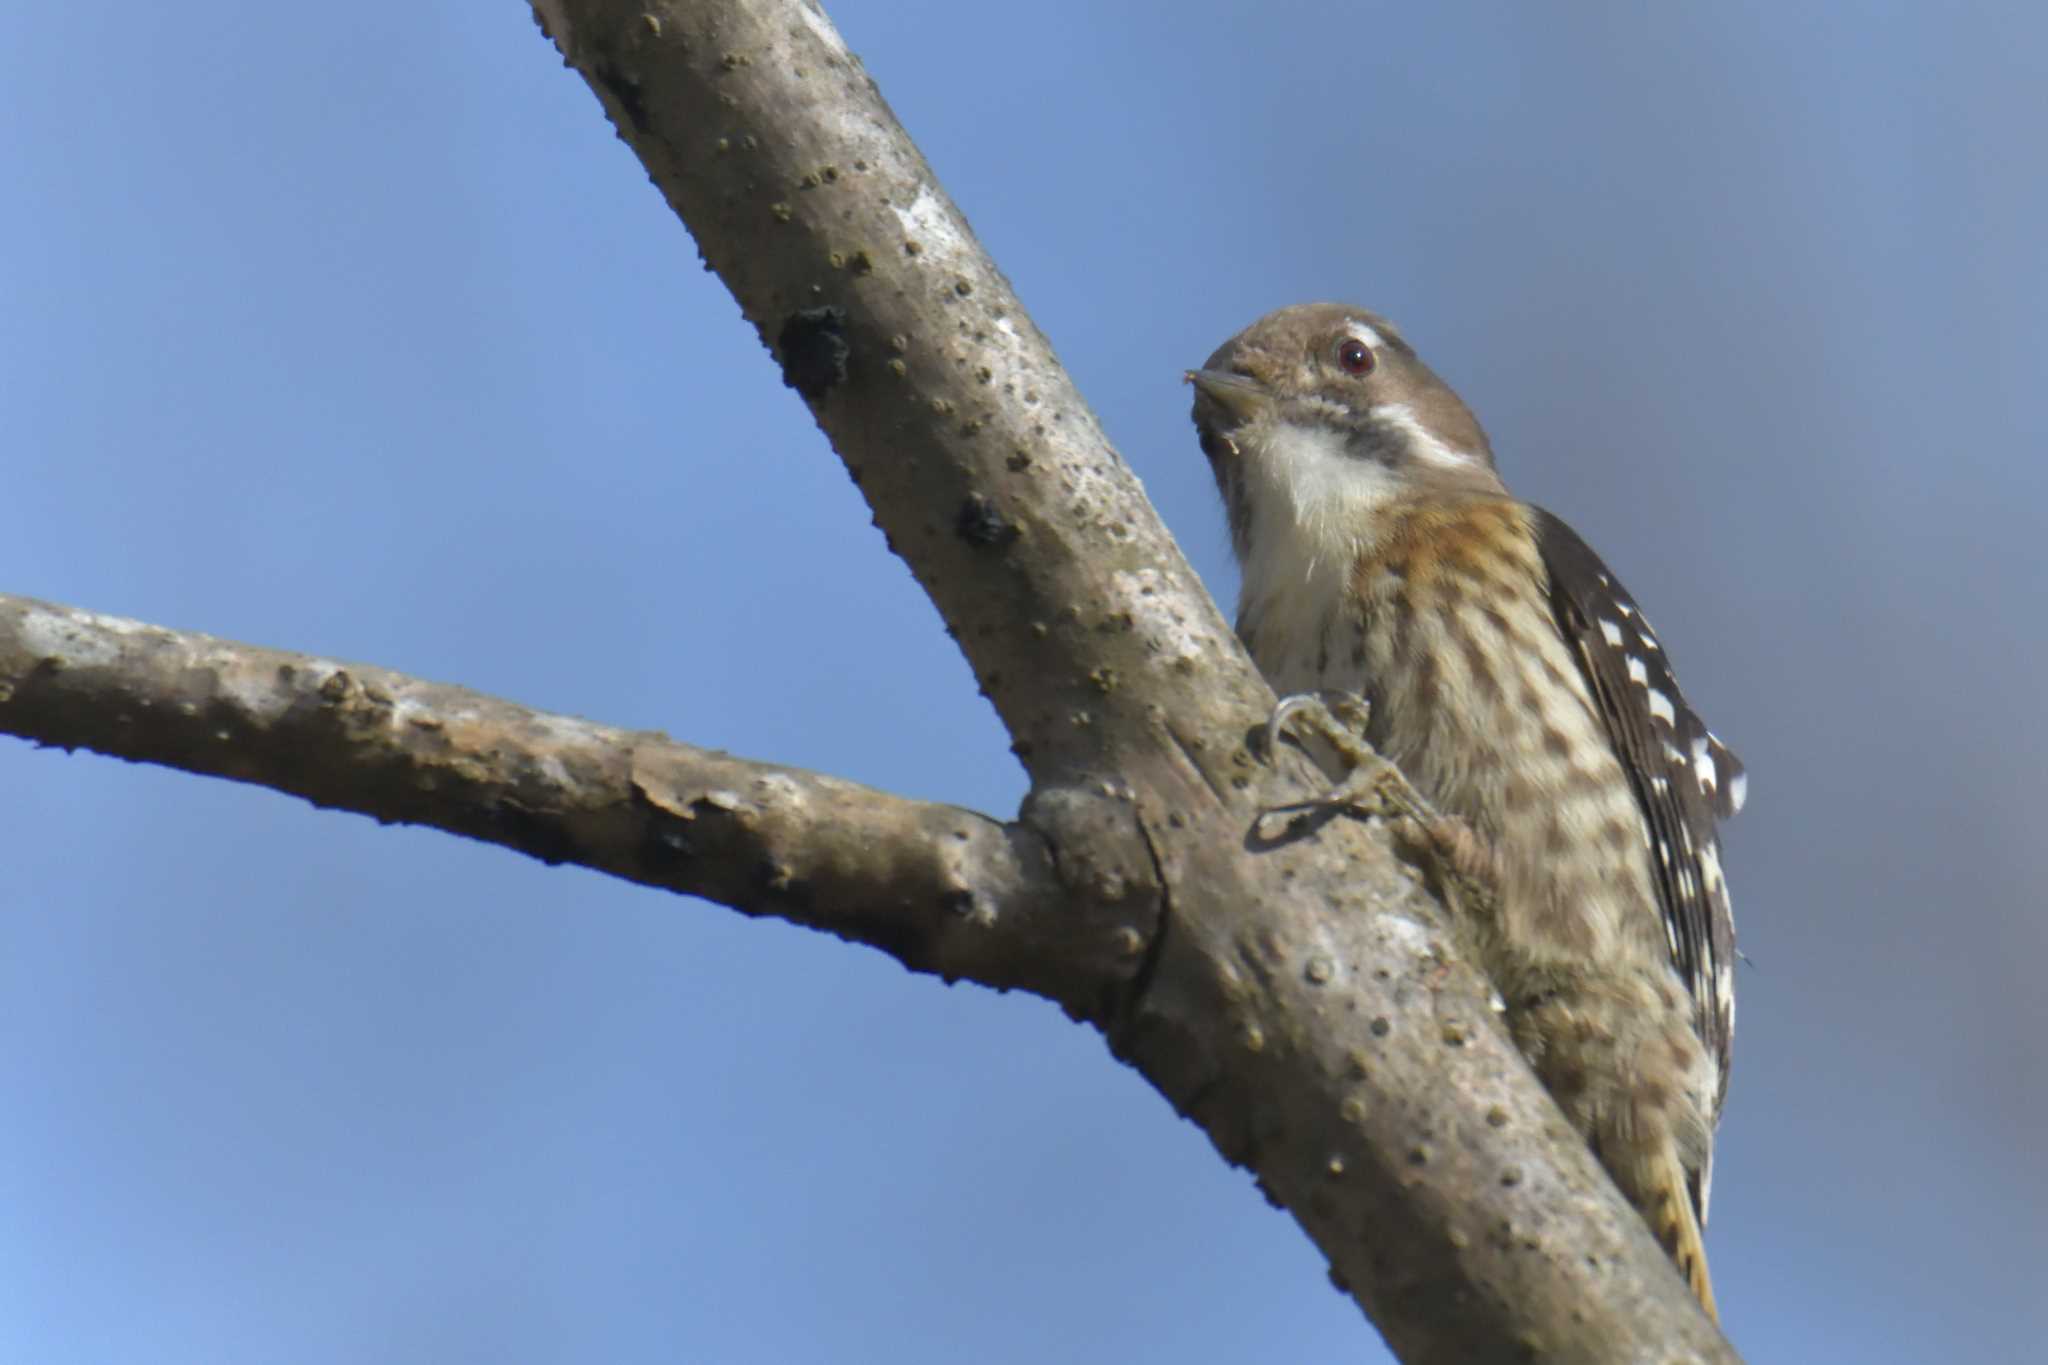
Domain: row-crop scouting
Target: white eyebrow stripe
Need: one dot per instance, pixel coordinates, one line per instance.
(1365, 333)
(1425, 443)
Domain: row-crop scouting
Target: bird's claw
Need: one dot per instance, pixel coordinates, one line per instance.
(1335, 722)
(1332, 724)
(1319, 713)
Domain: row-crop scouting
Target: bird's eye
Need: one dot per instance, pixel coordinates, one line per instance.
(1354, 356)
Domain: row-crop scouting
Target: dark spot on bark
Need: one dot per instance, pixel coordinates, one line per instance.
(981, 523)
(814, 350)
(531, 833)
(665, 846)
(625, 92)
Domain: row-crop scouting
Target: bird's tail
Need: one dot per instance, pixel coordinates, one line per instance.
(1665, 1201)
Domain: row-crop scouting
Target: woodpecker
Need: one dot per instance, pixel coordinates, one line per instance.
(1514, 682)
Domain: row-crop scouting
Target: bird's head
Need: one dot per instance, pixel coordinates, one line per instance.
(1322, 413)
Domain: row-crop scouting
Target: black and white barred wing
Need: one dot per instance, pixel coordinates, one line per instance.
(1685, 779)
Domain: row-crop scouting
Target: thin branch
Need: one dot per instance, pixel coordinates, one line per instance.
(942, 889)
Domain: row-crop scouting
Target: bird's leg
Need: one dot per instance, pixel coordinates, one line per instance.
(1372, 785)
(1335, 721)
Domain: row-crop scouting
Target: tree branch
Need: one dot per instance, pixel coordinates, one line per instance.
(1301, 1002)
(1300, 999)
(941, 889)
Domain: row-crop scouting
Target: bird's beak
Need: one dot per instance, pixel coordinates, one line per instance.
(1240, 397)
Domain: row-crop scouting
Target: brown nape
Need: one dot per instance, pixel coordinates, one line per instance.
(1443, 412)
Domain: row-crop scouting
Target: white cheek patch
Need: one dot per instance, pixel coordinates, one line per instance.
(1316, 477)
(1313, 504)
(1311, 500)
(1425, 443)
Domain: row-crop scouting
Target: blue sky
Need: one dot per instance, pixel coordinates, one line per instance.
(366, 337)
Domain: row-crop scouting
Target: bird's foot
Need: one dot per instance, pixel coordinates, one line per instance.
(1334, 723)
